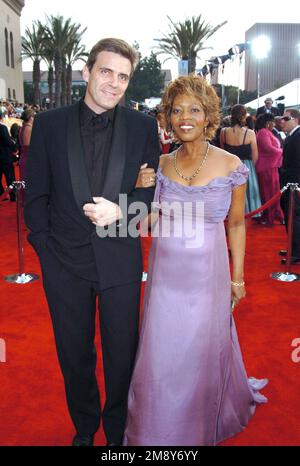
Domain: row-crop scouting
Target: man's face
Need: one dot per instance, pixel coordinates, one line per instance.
(107, 81)
(268, 103)
(279, 124)
(289, 125)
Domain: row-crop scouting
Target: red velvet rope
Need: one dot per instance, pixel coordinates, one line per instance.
(265, 206)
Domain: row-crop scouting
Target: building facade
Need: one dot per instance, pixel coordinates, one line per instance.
(283, 62)
(11, 78)
(78, 85)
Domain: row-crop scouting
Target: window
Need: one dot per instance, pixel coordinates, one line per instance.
(14, 94)
(6, 47)
(9, 93)
(12, 55)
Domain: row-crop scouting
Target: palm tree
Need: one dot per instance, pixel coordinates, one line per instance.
(64, 81)
(32, 47)
(48, 58)
(186, 39)
(74, 52)
(60, 32)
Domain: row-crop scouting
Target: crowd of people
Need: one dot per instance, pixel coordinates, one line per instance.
(184, 389)
(16, 122)
(259, 142)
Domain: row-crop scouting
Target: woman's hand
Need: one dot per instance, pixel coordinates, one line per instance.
(146, 177)
(237, 293)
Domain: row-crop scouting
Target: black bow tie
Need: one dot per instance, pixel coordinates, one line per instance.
(100, 121)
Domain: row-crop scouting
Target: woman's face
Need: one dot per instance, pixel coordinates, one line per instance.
(188, 118)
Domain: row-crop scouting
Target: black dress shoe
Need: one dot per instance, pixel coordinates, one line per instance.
(282, 252)
(83, 441)
(111, 444)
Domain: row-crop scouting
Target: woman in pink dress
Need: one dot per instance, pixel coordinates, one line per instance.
(269, 160)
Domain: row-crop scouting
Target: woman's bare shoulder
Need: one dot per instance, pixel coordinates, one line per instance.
(165, 159)
(251, 133)
(231, 161)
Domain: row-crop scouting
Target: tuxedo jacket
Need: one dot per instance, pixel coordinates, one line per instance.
(290, 171)
(57, 187)
(262, 110)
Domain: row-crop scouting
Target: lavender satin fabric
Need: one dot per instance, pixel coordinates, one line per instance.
(189, 385)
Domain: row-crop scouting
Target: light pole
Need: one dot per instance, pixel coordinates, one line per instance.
(298, 77)
(260, 47)
(237, 50)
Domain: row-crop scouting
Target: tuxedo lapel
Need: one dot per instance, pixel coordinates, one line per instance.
(116, 161)
(78, 173)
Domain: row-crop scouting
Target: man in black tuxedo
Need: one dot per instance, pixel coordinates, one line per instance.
(267, 108)
(7, 147)
(81, 159)
(290, 173)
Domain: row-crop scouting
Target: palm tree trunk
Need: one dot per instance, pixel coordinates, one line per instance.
(69, 84)
(36, 77)
(58, 73)
(50, 85)
(63, 83)
(193, 63)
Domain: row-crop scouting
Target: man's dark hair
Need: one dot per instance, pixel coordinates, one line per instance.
(118, 46)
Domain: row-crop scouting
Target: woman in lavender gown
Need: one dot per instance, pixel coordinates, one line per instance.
(189, 385)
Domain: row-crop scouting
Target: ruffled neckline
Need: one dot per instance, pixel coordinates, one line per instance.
(233, 175)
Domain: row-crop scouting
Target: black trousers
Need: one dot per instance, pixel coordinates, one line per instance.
(296, 221)
(7, 169)
(72, 304)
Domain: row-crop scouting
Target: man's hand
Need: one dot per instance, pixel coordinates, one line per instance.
(103, 212)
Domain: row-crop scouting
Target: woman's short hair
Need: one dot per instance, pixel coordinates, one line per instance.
(198, 87)
(118, 46)
(238, 115)
(263, 120)
(27, 114)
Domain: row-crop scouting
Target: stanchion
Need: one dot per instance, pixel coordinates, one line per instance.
(20, 278)
(288, 276)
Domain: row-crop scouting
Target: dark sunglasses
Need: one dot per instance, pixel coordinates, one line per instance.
(287, 118)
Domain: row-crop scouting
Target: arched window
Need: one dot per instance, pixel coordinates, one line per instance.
(6, 47)
(12, 55)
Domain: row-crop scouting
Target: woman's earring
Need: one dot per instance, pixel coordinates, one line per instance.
(205, 131)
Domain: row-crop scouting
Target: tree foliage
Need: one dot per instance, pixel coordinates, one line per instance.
(57, 42)
(186, 39)
(147, 81)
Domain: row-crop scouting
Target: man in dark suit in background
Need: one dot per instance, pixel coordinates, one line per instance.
(278, 130)
(81, 159)
(7, 147)
(267, 108)
(290, 173)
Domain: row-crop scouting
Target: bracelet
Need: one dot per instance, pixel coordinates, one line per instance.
(238, 283)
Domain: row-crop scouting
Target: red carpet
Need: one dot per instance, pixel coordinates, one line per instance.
(33, 408)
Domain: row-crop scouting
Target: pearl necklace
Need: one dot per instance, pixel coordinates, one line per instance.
(190, 178)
